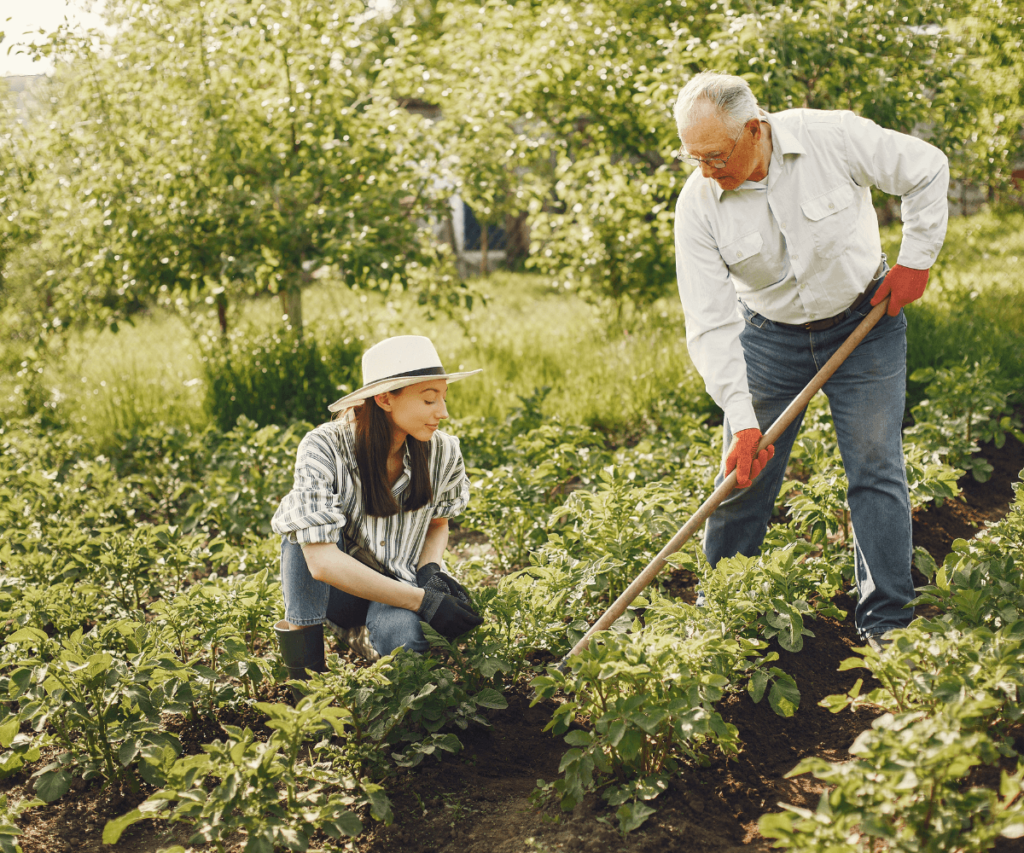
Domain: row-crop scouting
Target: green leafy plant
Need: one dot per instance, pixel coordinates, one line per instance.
(276, 377)
(213, 628)
(649, 697)
(404, 701)
(9, 813)
(905, 790)
(966, 404)
(102, 704)
(249, 472)
(932, 665)
(269, 790)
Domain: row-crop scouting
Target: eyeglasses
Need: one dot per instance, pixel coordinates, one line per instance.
(716, 163)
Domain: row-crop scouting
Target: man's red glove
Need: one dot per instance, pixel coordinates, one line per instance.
(743, 456)
(904, 284)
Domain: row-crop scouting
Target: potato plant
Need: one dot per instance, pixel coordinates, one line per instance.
(98, 697)
(650, 698)
(213, 628)
(905, 790)
(143, 585)
(951, 686)
(9, 813)
(262, 789)
(965, 405)
(932, 665)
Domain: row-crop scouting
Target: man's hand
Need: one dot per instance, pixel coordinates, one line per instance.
(743, 456)
(902, 285)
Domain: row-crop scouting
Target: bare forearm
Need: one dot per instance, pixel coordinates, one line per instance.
(330, 564)
(435, 543)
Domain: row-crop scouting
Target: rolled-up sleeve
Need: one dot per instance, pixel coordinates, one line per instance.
(451, 491)
(312, 511)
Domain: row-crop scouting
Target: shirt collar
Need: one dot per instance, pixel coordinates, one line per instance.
(783, 143)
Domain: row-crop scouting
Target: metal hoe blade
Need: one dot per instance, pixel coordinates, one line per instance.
(643, 580)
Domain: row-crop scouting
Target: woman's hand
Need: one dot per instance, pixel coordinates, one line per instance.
(440, 591)
(447, 615)
(431, 576)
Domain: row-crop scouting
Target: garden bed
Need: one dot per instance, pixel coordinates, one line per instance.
(481, 799)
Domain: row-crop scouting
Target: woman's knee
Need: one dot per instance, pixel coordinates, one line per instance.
(394, 627)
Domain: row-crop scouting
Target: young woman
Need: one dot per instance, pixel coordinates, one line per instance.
(365, 525)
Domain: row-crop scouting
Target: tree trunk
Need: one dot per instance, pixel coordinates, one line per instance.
(483, 249)
(291, 304)
(448, 234)
(517, 246)
(222, 313)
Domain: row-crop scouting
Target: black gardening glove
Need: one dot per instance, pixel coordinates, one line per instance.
(446, 614)
(430, 576)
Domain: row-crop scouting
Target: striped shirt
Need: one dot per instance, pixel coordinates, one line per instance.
(326, 500)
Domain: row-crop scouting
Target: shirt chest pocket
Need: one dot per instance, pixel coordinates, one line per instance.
(743, 256)
(832, 220)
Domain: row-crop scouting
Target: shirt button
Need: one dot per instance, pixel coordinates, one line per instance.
(382, 543)
(831, 207)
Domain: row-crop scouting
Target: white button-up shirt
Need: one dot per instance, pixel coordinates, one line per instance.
(802, 244)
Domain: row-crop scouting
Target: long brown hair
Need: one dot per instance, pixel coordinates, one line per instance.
(373, 444)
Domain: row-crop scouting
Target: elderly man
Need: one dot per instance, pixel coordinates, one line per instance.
(778, 260)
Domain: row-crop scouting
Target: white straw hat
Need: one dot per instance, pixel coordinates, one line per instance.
(395, 363)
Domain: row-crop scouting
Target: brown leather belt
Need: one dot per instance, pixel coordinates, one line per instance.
(829, 322)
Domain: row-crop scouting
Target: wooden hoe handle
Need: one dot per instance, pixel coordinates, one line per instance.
(641, 582)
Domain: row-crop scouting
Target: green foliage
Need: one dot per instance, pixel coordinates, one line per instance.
(650, 701)
(980, 581)
(9, 813)
(951, 686)
(931, 669)
(225, 152)
(404, 701)
(611, 233)
(965, 405)
(906, 789)
(263, 789)
(617, 528)
(213, 628)
(249, 471)
(818, 507)
(276, 377)
(101, 695)
(971, 305)
(929, 478)
(520, 472)
(772, 594)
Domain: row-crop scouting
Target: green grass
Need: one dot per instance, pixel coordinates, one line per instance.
(525, 336)
(603, 369)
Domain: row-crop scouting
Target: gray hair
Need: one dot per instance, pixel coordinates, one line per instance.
(723, 95)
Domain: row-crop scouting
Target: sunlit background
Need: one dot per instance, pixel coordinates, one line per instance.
(21, 22)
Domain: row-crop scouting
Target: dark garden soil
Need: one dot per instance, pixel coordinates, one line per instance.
(479, 801)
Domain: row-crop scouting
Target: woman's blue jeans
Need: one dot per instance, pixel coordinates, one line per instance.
(311, 602)
(867, 395)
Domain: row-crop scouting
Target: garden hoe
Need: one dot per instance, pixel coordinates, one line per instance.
(642, 580)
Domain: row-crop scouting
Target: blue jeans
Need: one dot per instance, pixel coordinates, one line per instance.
(867, 395)
(311, 602)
